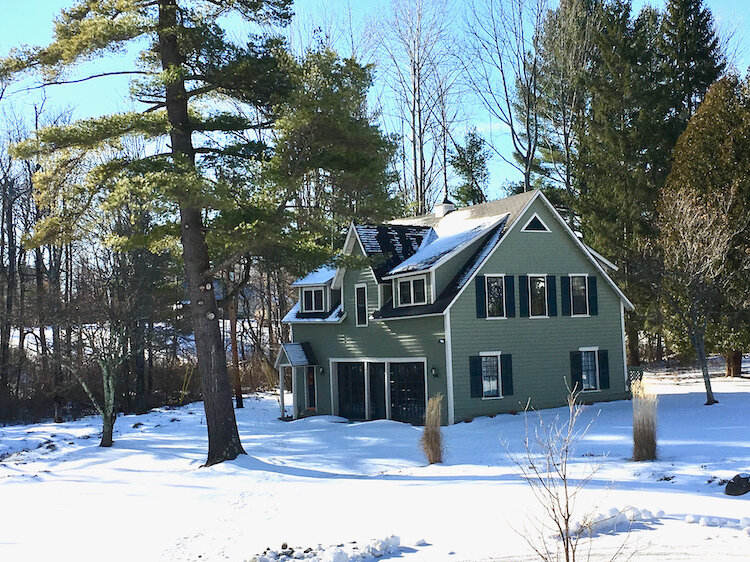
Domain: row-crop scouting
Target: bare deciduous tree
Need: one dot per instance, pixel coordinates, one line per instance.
(697, 235)
(502, 66)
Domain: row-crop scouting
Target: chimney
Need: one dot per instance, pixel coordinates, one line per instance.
(444, 208)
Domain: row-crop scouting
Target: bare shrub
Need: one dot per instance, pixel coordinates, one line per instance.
(644, 423)
(432, 437)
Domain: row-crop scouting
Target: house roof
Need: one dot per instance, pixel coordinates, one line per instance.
(388, 311)
(297, 355)
(320, 276)
(393, 244)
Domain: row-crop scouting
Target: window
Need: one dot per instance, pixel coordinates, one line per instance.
(589, 370)
(535, 224)
(538, 295)
(579, 301)
(495, 296)
(360, 297)
(412, 291)
(312, 300)
(490, 376)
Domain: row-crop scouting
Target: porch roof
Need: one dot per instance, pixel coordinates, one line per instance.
(296, 355)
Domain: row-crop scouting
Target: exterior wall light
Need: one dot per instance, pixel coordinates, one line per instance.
(434, 372)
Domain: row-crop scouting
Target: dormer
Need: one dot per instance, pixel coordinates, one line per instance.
(316, 297)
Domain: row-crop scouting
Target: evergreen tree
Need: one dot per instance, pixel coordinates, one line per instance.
(187, 61)
(693, 58)
(708, 271)
(616, 156)
(470, 164)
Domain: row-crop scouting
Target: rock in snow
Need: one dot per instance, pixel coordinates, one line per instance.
(738, 485)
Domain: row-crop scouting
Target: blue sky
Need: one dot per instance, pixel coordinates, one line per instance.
(30, 22)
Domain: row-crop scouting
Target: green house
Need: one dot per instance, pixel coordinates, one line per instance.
(494, 306)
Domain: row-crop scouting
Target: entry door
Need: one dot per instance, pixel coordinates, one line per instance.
(407, 392)
(310, 388)
(377, 391)
(351, 385)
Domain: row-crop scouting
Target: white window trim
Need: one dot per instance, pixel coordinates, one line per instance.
(546, 299)
(410, 280)
(320, 288)
(487, 297)
(499, 374)
(535, 215)
(595, 349)
(356, 310)
(586, 284)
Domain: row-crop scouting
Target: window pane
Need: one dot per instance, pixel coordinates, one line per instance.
(495, 302)
(307, 298)
(361, 306)
(588, 370)
(404, 292)
(419, 294)
(578, 292)
(490, 386)
(538, 296)
(318, 299)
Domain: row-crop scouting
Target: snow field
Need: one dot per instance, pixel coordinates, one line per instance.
(322, 481)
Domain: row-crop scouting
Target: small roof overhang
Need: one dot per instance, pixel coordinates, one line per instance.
(295, 355)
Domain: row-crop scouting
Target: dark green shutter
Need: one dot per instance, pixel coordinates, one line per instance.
(506, 374)
(510, 296)
(593, 300)
(576, 371)
(481, 297)
(475, 376)
(565, 295)
(603, 369)
(551, 296)
(523, 295)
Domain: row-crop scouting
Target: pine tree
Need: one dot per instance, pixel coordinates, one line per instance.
(187, 60)
(693, 58)
(470, 164)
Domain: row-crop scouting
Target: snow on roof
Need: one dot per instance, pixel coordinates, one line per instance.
(448, 236)
(298, 355)
(320, 276)
(294, 315)
(394, 243)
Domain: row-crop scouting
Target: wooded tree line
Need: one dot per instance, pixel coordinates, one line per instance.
(128, 237)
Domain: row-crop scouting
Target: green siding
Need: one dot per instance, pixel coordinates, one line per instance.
(446, 272)
(540, 347)
(417, 337)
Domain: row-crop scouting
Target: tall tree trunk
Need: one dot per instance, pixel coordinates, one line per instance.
(223, 437)
(734, 363)
(699, 342)
(10, 293)
(232, 312)
(631, 331)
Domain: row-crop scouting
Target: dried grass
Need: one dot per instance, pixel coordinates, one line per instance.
(432, 437)
(644, 423)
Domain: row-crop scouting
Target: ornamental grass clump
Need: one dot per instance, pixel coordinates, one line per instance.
(432, 437)
(644, 423)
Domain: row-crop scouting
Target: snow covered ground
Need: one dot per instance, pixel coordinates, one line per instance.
(320, 481)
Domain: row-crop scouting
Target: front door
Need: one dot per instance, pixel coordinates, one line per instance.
(310, 388)
(407, 392)
(351, 387)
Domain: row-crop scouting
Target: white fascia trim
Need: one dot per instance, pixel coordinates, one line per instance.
(338, 279)
(602, 259)
(583, 247)
(489, 255)
(624, 353)
(449, 370)
(317, 320)
(457, 250)
(535, 216)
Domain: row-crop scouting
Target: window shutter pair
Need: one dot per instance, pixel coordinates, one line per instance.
(576, 370)
(523, 294)
(566, 296)
(508, 295)
(506, 375)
